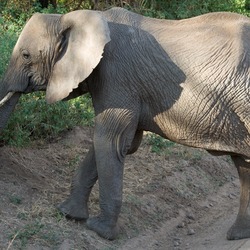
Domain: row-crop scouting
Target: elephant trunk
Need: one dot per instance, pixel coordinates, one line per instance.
(12, 85)
(7, 108)
(8, 101)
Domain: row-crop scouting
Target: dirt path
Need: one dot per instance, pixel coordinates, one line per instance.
(181, 199)
(208, 232)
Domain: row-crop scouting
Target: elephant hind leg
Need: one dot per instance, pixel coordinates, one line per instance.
(241, 227)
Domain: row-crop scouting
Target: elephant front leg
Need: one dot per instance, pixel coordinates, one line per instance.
(75, 206)
(110, 175)
(113, 139)
(241, 227)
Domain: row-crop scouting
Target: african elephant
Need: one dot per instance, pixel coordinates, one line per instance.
(186, 80)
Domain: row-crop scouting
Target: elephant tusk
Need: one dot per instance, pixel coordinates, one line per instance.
(6, 98)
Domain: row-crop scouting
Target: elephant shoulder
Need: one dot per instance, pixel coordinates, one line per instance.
(123, 16)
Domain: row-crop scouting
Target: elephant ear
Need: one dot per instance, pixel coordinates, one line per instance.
(83, 37)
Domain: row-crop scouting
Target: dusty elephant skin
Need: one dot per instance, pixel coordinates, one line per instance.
(186, 80)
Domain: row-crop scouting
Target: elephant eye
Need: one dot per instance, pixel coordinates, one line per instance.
(25, 54)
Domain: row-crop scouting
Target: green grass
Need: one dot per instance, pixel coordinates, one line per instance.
(16, 200)
(27, 232)
(35, 231)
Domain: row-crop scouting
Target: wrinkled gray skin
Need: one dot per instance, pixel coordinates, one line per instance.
(186, 80)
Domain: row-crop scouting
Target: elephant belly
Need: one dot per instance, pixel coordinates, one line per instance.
(202, 122)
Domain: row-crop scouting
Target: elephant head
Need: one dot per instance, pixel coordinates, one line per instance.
(53, 53)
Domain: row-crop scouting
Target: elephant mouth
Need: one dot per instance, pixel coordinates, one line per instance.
(35, 85)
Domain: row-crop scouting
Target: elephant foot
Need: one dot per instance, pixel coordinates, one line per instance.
(74, 210)
(103, 228)
(239, 231)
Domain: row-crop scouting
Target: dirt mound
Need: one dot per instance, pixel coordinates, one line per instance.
(170, 200)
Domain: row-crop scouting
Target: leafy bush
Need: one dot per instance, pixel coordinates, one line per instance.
(7, 42)
(179, 9)
(157, 143)
(15, 14)
(35, 119)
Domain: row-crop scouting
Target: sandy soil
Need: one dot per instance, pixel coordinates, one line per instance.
(182, 198)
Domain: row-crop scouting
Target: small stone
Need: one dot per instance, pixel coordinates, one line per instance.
(177, 239)
(176, 243)
(231, 196)
(190, 231)
(191, 216)
(181, 225)
(157, 244)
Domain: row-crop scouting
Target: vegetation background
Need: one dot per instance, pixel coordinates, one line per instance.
(33, 118)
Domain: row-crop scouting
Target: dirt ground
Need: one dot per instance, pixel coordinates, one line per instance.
(182, 198)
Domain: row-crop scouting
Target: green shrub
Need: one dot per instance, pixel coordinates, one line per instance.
(158, 143)
(179, 9)
(7, 42)
(14, 15)
(35, 119)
